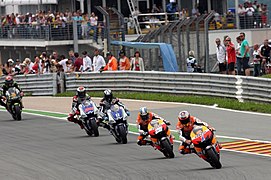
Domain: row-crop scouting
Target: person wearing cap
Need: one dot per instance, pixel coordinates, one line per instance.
(112, 64)
(87, 64)
(98, 61)
(124, 62)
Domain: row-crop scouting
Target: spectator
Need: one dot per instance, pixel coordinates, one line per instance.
(137, 63)
(221, 56)
(37, 66)
(17, 67)
(244, 50)
(264, 15)
(191, 62)
(124, 62)
(239, 60)
(87, 64)
(72, 57)
(98, 61)
(256, 61)
(93, 26)
(241, 13)
(84, 24)
(231, 53)
(112, 64)
(78, 64)
(249, 14)
(1, 70)
(65, 63)
(265, 53)
(29, 65)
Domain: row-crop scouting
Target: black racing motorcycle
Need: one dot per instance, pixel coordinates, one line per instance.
(13, 100)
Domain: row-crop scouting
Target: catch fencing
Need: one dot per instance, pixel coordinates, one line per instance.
(239, 87)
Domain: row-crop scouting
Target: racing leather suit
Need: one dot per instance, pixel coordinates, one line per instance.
(142, 127)
(184, 132)
(5, 89)
(104, 106)
(76, 101)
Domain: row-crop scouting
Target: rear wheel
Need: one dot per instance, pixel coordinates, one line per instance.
(94, 127)
(213, 158)
(123, 134)
(167, 149)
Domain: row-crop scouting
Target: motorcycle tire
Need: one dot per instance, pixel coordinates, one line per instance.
(213, 158)
(122, 134)
(167, 149)
(94, 128)
(18, 112)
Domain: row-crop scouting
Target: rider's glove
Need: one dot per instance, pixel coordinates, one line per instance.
(167, 122)
(188, 142)
(211, 129)
(145, 133)
(128, 113)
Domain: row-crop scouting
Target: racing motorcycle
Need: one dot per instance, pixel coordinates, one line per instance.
(161, 137)
(205, 145)
(13, 100)
(117, 120)
(88, 116)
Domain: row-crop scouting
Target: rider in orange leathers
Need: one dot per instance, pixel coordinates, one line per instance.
(143, 119)
(185, 126)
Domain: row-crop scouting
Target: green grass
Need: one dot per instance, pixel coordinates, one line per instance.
(204, 100)
(266, 76)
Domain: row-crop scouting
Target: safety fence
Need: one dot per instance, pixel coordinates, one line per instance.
(236, 87)
(37, 85)
(239, 87)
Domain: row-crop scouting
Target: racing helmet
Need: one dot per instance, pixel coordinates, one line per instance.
(81, 92)
(184, 117)
(144, 113)
(9, 81)
(108, 95)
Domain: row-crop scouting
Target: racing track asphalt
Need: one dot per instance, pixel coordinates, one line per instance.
(53, 149)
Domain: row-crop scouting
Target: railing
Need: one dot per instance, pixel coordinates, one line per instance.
(37, 85)
(239, 87)
(49, 32)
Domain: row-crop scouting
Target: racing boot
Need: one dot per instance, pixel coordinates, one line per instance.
(80, 123)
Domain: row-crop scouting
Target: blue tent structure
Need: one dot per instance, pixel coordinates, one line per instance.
(167, 52)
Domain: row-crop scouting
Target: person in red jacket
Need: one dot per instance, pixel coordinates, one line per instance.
(112, 64)
(231, 53)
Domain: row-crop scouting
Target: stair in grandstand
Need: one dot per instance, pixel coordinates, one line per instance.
(131, 6)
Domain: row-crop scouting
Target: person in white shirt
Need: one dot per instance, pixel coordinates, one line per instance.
(93, 26)
(98, 61)
(64, 62)
(221, 56)
(87, 64)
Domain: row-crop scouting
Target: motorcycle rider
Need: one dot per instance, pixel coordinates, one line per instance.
(9, 83)
(185, 126)
(105, 104)
(80, 96)
(144, 117)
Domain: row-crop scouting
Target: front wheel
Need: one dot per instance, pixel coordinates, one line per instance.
(17, 111)
(94, 127)
(123, 134)
(213, 158)
(167, 149)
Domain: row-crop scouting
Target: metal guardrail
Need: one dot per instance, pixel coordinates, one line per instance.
(37, 85)
(239, 87)
(236, 87)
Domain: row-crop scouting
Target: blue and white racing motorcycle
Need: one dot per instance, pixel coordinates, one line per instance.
(117, 120)
(88, 116)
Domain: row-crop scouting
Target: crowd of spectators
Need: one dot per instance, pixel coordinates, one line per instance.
(252, 15)
(51, 25)
(55, 63)
(239, 58)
